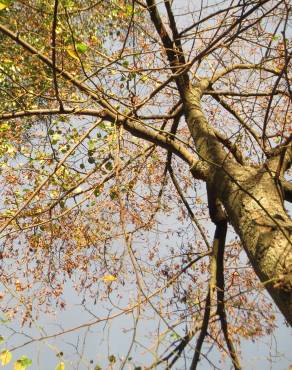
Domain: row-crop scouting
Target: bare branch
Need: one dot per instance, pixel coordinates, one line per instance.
(234, 67)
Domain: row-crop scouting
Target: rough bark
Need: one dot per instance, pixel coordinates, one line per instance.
(254, 204)
(255, 209)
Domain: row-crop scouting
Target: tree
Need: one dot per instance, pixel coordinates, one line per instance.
(113, 115)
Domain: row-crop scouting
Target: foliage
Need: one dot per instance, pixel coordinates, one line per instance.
(5, 357)
(102, 175)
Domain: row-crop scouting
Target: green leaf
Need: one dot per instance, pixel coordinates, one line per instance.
(56, 137)
(112, 359)
(96, 192)
(26, 361)
(278, 139)
(113, 195)
(1, 339)
(108, 166)
(91, 144)
(22, 363)
(4, 126)
(276, 37)
(175, 335)
(129, 10)
(125, 63)
(81, 47)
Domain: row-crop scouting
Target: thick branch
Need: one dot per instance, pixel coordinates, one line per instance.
(245, 94)
(209, 302)
(254, 206)
(218, 217)
(206, 142)
(203, 333)
(161, 30)
(199, 169)
(174, 55)
(221, 230)
(110, 114)
(177, 41)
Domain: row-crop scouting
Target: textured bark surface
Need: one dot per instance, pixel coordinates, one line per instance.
(253, 201)
(256, 211)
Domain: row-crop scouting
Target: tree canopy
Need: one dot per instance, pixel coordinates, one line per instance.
(145, 150)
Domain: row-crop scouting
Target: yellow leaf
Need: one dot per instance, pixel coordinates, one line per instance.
(5, 357)
(22, 363)
(71, 51)
(18, 366)
(60, 366)
(3, 6)
(78, 190)
(54, 194)
(109, 278)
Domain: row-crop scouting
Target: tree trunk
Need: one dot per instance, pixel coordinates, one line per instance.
(255, 209)
(253, 202)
